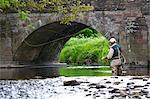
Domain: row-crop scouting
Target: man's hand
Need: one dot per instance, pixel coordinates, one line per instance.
(104, 58)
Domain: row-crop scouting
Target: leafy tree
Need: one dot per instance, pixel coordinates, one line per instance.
(88, 32)
(69, 9)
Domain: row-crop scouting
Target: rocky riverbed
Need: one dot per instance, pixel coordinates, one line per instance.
(125, 87)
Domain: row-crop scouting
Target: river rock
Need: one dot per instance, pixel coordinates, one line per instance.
(88, 94)
(130, 83)
(135, 93)
(92, 84)
(138, 86)
(114, 91)
(71, 83)
(137, 77)
(85, 89)
(116, 83)
(123, 93)
(100, 86)
(108, 82)
(148, 95)
(144, 92)
(148, 83)
(97, 86)
(114, 77)
(145, 79)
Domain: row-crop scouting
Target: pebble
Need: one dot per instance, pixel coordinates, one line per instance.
(116, 83)
(108, 82)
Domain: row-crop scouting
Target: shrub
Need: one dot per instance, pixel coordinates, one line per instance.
(80, 51)
(88, 32)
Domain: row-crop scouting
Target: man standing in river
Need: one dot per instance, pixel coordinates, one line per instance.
(114, 55)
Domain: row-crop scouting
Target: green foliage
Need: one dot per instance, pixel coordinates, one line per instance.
(88, 32)
(79, 50)
(23, 15)
(69, 9)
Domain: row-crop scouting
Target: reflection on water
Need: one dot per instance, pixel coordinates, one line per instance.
(29, 72)
(85, 71)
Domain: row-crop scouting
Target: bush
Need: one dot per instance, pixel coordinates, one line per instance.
(85, 51)
(88, 32)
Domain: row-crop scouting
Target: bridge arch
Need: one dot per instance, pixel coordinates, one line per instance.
(102, 22)
(45, 43)
(34, 41)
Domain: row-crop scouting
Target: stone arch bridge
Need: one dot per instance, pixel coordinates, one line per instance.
(42, 40)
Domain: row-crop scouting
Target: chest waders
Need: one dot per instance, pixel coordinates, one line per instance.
(121, 68)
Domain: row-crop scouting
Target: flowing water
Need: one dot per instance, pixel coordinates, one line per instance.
(44, 71)
(25, 83)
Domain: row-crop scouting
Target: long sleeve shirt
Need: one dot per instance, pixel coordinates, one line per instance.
(110, 53)
(114, 62)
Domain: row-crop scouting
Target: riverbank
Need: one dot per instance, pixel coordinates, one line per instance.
(125, 87)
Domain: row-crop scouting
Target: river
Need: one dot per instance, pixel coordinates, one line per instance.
(89, 87)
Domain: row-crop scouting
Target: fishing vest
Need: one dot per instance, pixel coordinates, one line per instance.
(116, 47)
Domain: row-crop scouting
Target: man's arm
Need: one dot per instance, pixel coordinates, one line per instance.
(110, 53)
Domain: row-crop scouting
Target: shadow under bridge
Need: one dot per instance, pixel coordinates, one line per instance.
(44, 44)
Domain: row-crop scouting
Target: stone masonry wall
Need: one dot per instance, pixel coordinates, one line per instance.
(5, 41)
(127, 20)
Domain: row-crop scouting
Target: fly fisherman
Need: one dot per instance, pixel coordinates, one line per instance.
(114, 55)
